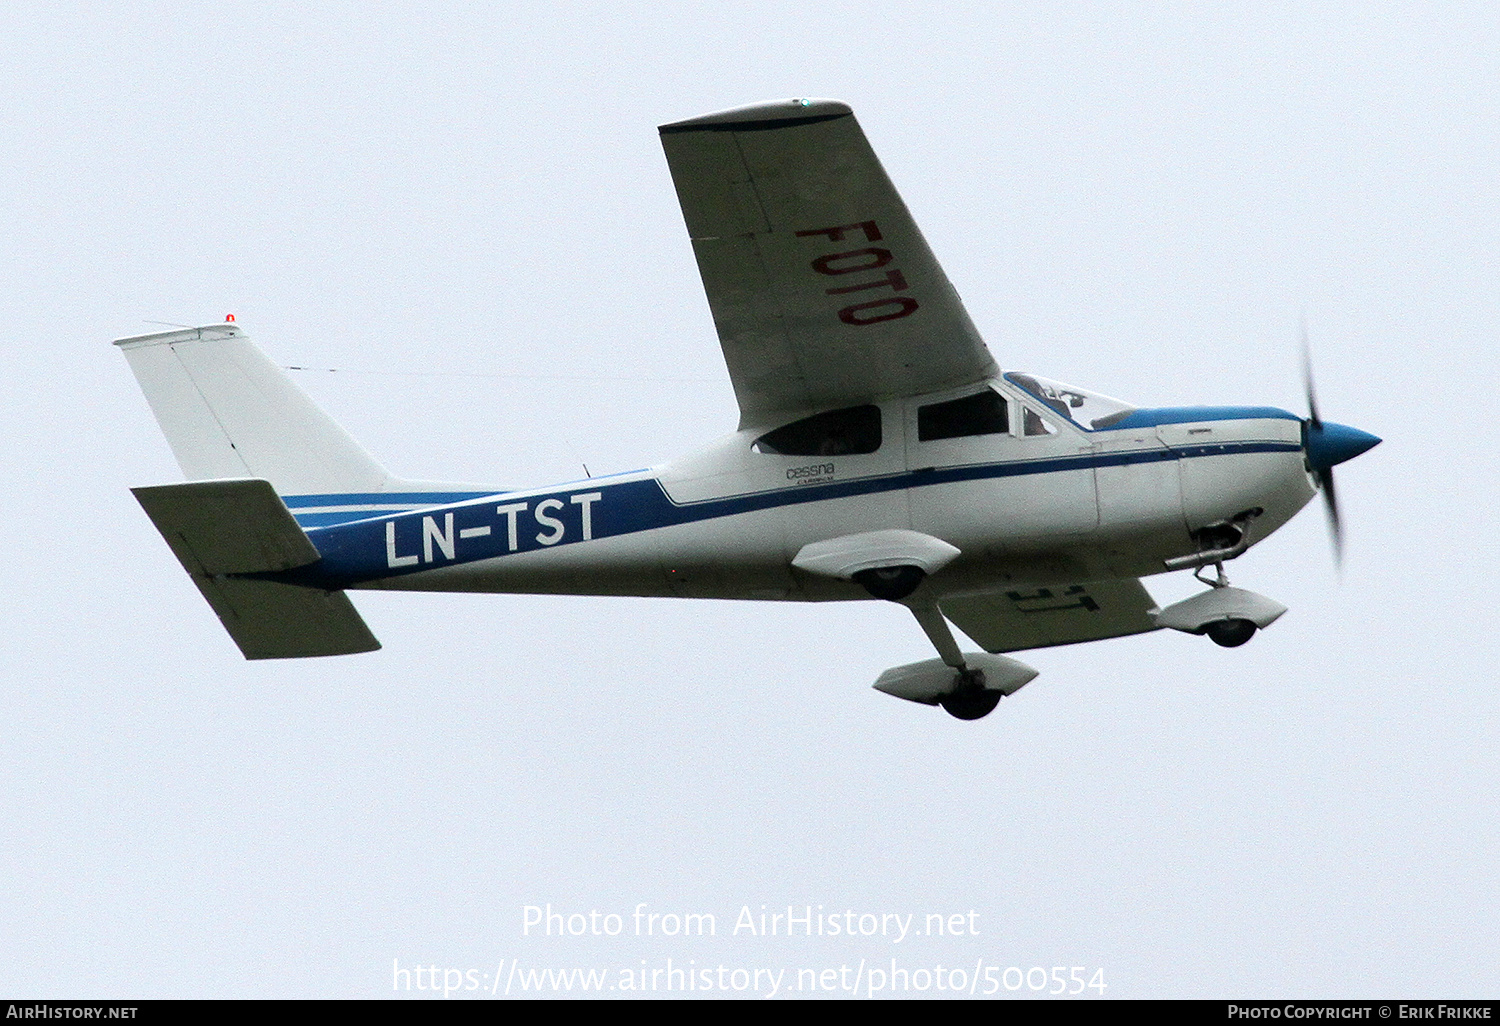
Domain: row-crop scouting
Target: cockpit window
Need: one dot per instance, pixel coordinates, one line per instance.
(850, 432)
(1089, 410)
(983, 413)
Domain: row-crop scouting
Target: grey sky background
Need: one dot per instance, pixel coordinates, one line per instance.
(464, 209)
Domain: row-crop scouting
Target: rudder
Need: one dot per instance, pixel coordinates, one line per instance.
(229, 412)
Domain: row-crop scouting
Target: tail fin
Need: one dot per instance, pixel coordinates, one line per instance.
(229, 412)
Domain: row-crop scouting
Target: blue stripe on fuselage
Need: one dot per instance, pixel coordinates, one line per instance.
(345, 507)
(1196, 414)
(380, 498)
(380, 546)
(333, 517)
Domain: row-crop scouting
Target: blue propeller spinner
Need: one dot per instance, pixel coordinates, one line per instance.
(1328, 445)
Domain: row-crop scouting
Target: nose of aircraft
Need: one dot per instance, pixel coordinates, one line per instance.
(1328, 444)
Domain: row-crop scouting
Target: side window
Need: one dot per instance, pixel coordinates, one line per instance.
(983, 413)
(1035, 424)
(851, 432)
(1054, 397)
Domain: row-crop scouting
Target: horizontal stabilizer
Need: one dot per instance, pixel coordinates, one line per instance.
(227, 527)
(282, 621)
(221, 528)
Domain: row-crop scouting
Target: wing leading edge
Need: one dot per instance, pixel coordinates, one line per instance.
(823, 291)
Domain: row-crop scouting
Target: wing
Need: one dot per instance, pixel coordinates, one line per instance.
(823, 291)
(1036, 617)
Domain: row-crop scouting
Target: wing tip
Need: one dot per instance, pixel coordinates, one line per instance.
(759, 116)
(206, 332)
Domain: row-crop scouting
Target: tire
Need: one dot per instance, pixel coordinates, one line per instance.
(1230, 633)
(892, 583)
(970, 703)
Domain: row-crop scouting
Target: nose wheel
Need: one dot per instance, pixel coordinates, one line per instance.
(1231, 632)
(1226, 615)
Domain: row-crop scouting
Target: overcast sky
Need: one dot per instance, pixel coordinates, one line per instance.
(464, 210)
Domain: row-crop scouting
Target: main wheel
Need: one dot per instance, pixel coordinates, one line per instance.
(892, 583)
(970, 703)
(1230, 633)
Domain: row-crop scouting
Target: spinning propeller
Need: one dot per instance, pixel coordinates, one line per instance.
(1328, 445)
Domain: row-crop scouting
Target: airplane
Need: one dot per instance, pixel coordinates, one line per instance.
(881, 453)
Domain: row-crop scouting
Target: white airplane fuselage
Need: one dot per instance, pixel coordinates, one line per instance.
(1063, 504)
(881, 453)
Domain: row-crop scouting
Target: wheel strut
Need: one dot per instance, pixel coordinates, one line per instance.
(969, 699)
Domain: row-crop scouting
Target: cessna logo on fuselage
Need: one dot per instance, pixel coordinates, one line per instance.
(439, 539)
(809, 473)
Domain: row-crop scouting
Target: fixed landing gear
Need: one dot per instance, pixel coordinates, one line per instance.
(970, 700)
(892, 583)
(1226, 615)
(967, 685)
(1230, 633)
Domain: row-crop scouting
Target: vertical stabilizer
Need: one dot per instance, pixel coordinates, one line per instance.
(229, 412)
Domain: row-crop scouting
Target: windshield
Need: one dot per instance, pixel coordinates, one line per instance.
(1089, 410)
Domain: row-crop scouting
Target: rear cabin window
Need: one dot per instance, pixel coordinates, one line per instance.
(851, 432)
(983, 413)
